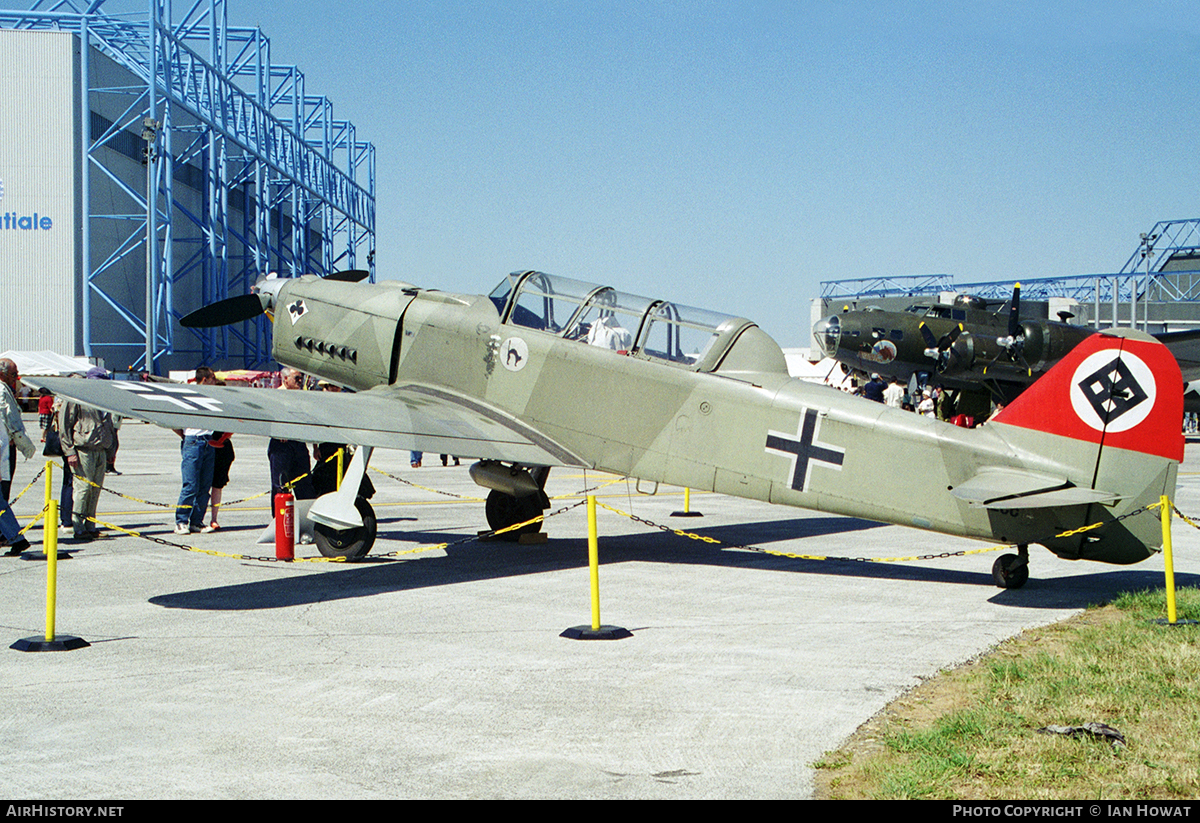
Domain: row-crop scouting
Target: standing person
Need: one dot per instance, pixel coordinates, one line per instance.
(112, 453)
(12, 437)
(14, 427)
(946, 401)
(873, 390)
(86, 435)
(45, 410)
(66, 495)
(893, 395)
(289, 458)
(222, 446)
(926, 406)
(195, 468)
(325, 474)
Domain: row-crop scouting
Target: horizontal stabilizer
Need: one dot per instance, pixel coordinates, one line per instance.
(1015, 489)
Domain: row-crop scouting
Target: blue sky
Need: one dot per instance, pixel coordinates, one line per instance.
(732, 155)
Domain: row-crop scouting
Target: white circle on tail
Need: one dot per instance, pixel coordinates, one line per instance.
(1112, 389)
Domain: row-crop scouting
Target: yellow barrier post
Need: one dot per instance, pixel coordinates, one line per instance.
(1168, 562)
(596, 631)
(50, 546)
(50, 642)
(687, 505)
(593, 561)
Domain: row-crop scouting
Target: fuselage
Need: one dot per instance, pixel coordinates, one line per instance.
(698, 401)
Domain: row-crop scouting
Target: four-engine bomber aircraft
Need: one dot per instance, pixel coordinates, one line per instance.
(547, 371)
(967, 344)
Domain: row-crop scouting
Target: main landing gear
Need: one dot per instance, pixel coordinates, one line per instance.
(517, 494)
(505, 510)
(1011, 571)
(352, 544)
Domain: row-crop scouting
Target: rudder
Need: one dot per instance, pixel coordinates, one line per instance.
(1122, 391)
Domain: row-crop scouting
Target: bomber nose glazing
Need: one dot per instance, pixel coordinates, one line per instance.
(828, 333)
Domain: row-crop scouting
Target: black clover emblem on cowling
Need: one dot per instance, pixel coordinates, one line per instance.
(1112, 390)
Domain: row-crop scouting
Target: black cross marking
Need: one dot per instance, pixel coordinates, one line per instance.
(806, 449)
(1112, 390)
(177, 395)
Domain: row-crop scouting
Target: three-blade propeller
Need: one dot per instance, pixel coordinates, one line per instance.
(1014, 344)
(944, 351)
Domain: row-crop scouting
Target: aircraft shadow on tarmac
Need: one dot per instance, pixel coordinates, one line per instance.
(476, 561)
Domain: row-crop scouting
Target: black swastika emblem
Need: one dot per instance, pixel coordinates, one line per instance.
(1112, 390)
(806, 449)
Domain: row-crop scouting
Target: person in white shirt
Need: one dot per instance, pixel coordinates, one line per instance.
(196, 469)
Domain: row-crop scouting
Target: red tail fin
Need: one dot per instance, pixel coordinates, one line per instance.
(1120, 388)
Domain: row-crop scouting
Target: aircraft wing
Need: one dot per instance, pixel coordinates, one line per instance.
(411, 417)
(1185, 345)
(1017, 489)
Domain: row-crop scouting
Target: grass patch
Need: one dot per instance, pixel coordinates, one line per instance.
(972, 733)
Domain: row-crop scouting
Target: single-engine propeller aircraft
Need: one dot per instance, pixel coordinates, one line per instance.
(966, 344)
(547, 371)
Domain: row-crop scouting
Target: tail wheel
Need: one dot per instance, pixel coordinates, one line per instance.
(351, 544)
(505, 510)
(1011, 571)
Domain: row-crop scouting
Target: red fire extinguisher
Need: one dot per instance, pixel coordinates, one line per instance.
(285, 526)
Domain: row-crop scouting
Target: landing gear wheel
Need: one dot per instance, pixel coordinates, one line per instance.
(504, 510)
(352, 544)
(1010, 571)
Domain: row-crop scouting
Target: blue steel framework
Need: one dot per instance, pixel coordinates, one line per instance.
(1136, 281)
(260, 137)
(911, 285)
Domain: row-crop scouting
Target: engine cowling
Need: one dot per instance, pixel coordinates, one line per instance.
(959, 356)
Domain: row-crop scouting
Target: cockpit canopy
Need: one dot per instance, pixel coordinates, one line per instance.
(602, 316)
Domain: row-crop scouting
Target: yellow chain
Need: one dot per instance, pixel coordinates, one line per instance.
(909, 559)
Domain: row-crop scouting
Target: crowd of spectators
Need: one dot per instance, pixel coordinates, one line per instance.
(966, 409)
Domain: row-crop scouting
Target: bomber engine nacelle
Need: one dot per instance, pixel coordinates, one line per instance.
(959, 356)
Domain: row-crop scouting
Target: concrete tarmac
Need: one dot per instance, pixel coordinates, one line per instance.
(441, 673)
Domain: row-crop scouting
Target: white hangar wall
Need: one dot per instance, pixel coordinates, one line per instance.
(39, 206)
(41, 214)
